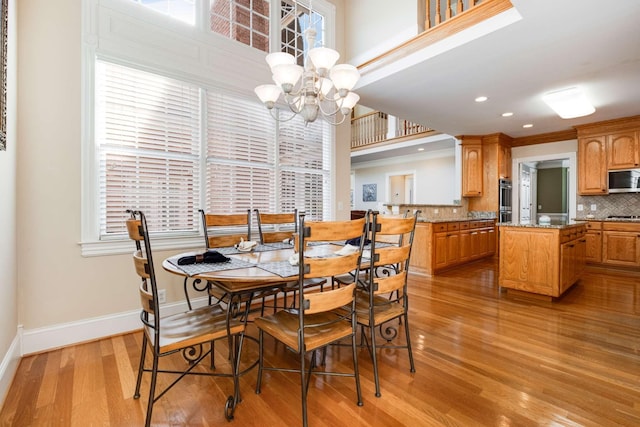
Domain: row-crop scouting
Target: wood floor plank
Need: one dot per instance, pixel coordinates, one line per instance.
(482, 356)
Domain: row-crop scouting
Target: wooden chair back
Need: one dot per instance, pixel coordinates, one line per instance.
(143, 264)
(276, 227)
(221, 230)
(393, 258)
(312, 267)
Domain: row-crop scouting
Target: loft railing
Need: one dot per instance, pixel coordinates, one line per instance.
(378, 127)
(438, 11)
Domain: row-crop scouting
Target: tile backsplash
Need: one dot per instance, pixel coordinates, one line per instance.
(613, 204)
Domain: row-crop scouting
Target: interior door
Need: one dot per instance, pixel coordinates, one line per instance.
(525, 196)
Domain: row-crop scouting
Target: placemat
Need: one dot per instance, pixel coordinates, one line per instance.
(281, 268)
(203, 267)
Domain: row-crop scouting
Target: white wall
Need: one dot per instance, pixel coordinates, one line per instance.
(435, 178)
(373, 27)
(9, 336)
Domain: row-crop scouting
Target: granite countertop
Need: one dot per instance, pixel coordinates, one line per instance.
(534, 225)
(436, 220)
(608, 219)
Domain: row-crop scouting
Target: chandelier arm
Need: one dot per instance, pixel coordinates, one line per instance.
(278, 119)
(326, 113)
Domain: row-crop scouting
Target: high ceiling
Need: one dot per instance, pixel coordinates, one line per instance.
(593, 44)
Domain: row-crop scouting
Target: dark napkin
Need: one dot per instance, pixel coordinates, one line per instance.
(208, 257)
(356, 241)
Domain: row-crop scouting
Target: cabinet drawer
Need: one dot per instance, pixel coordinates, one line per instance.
(464, 225)
(622, 226)
(453, 226)
(441, 226)
(594, 225)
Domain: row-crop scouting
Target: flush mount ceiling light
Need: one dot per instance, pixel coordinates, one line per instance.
(481, 99)
(318, 87)
(569, 103)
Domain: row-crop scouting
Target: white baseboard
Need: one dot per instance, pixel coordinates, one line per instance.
(61, 335)
(9, 366)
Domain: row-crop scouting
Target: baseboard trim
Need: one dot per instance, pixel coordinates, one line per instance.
(9, 366)
(65, 334)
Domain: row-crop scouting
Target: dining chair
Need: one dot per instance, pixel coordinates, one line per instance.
(221, 230)
(314, 324)
(192, 332)
(382, 292)
(276, 228)
(225, 230)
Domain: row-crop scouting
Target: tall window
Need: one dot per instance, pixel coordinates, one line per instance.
(170, 147)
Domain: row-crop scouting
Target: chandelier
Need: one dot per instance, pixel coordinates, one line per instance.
(319, 87)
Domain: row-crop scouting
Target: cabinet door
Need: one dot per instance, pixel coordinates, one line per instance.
(621, 248)
(465, 246)
(622, 150)
(592, 165)
(472, 170)
(593, 246)
(453, 248)
(567, 265)
(504, 161)
(440, 250)
(492, 241)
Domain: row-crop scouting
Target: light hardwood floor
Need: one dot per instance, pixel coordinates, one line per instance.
(483, 358)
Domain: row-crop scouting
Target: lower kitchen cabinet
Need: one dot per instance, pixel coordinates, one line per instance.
(438, 246)
(613, 243)
(621, 244)
(541, 260)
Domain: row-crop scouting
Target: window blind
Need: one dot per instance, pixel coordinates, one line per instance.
(154, 135)
(147, 132)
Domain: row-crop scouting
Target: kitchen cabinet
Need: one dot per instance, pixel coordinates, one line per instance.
(592, 166)
(593, 245)
(623, 150)
(603, 146)
(442, 245)
(541, 260)
(496, 165)
(621, 244)
(504, 162)
(472, 170)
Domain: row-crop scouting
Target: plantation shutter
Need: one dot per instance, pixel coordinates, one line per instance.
(241, 157)
(304, 155)
(148, 139)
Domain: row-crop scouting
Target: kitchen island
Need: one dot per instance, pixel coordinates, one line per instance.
(541, 260)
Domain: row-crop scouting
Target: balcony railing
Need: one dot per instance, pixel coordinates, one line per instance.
(378, 128)
(438, 11)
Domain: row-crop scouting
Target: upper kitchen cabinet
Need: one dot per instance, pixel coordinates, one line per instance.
(495, 161)
(623, 150)
(592, 165)
(603, 146)
(472, 167)
(504, 161)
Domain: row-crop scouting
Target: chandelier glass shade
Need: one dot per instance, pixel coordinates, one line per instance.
(320, 87)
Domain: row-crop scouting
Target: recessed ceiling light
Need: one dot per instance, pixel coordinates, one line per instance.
(527, 126)
(507, 114)
(481, 99)
(420, 149)
(569, 103)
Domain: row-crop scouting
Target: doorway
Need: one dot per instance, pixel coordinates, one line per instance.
(401, 188)
(563, 167)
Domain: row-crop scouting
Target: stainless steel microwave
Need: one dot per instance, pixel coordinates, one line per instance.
(624, 181)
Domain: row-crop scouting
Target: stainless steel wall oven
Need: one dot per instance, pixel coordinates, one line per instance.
(504, 200)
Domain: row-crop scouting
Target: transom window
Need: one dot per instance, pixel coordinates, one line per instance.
(182, 10)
